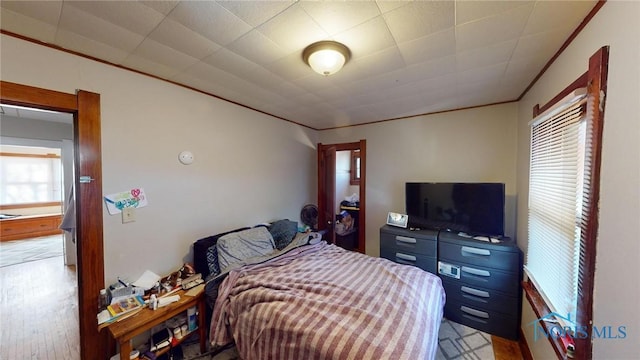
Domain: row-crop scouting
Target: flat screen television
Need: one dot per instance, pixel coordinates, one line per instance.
(473, 208)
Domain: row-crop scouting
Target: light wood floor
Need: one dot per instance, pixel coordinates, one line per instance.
(504, 349)
(39, 311)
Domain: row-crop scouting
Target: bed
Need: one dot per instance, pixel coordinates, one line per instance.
(311, 300)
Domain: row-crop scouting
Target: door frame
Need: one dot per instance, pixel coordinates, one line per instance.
(359, 145)
(85, 107)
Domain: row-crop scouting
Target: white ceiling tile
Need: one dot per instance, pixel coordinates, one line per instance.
(230, 62)
(429, 47)
(390, 80)
(27, 26)
(90, 26)
(255, 13)
(433, 68)
(541, 44)
(257, 48)
(549, 15)
(210, 20)
(263, 78)
(290, 67)
(504, 26)
(480, 57)
(148, 67)
(164, 55)
(482, 74)
(163, 7)
(72, 41)
(133, 16)
(434, 84)
(380, 62)
(314, 82)
(177, 36)
(205, 71)
(294, 30)
(332, 93)
(467, 11)
(526, 65)
(335, 17)
(420, 18)
(386, 5)
(45, 11)
(401, 65)
(287, 89)
(366, 38)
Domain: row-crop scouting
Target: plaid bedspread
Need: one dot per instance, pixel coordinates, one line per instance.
(323, 302)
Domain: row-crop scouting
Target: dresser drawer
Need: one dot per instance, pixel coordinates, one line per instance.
(426, 263)
(408, 242)
(489, 321)
(508, 283)
(470, 252)
(29, 226)
(481, 298)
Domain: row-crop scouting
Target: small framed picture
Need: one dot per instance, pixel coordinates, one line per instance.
(396, 219)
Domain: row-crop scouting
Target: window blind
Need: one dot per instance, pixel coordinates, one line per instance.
(556, 191)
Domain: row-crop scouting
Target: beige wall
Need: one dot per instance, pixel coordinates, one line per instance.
(476, 145)
(617, 288)
(248, 167)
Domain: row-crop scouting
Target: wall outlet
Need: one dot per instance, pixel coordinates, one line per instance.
(128, 215)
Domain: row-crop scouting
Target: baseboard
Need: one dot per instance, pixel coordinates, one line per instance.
(524, 347)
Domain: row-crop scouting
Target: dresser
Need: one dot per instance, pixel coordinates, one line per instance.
(482, 283)
(29, 226)
(413, 247)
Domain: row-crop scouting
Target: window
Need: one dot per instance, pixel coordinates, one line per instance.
(29, 178)
(564, 182)
(355, 167)
(557, 188)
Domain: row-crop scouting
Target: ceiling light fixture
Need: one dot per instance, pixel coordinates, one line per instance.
(326, 57)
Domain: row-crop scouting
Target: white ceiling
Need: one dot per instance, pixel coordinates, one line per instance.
(408, 57)
(35, 114)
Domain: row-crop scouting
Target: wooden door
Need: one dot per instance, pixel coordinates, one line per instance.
(327, 191)
(326, 178)
(88, 162)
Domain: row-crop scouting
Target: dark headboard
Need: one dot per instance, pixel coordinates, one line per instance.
(200, 252)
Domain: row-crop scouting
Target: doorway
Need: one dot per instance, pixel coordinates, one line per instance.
(36, 152)
(334, 194)
(85, 107)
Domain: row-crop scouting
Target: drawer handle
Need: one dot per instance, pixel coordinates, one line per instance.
(475, 292)
(405, 239)
(406, 257)
(474, 312)
(477, 272)
(466, 251)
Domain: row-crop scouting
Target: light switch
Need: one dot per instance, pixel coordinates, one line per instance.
(128, 215)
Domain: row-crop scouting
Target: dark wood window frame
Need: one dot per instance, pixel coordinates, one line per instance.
(595, 79)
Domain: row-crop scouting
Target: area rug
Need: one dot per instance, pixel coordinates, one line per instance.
(21, 251)
(457, 341)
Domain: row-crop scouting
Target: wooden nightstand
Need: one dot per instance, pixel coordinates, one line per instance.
(126, 329)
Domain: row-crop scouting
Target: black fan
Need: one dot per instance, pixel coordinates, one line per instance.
(309, 216)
